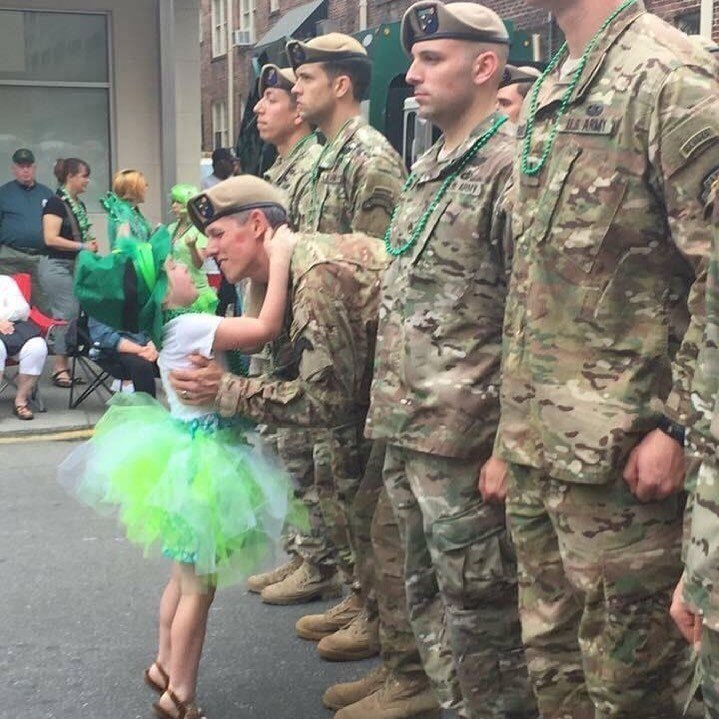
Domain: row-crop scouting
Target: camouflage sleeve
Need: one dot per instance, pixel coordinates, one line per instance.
(684, 150)
(321, 393)
(376, 187)
(501, 224)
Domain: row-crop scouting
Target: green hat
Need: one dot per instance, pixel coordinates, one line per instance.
(125, 289)
(433, 20)
(182, 193)
(327, 48)
(283, 78)
(23, 156)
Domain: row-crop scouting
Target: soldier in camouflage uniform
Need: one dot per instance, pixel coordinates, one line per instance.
(619, 146)
(352, 188)
(435, 394)
(279, 123)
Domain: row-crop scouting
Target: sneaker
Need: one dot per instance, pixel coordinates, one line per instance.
(356, 641)
(305, 584)
(342, 695)
(317, 626)
(258, 582)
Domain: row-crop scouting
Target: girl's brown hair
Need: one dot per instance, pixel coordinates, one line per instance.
(129, 185)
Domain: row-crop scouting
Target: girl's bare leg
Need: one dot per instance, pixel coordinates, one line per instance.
(187, 635)
(168, 606)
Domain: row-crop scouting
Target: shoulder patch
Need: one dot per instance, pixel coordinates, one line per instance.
(700, 138)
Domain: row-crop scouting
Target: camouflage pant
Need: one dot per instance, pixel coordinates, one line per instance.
(709, 671)
(460, 577)
(380, 567)
(295, 448)
(596, 573)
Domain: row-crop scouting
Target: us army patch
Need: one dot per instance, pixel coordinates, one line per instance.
(697, 140)
(588, 125)
(470, 188)
(708, 184)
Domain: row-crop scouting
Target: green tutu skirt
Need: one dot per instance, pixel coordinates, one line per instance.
(201, 492)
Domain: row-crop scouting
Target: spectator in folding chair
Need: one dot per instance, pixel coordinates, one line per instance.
(130, 358)
(20, 340)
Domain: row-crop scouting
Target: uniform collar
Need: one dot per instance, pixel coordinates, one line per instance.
(553, 91)
(430, 167)
(334, 148)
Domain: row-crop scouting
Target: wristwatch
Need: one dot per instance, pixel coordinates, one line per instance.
(676, 431)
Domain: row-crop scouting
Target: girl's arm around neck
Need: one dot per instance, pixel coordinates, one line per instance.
(248, 333)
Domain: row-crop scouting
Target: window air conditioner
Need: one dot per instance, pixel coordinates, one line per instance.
(242, 38)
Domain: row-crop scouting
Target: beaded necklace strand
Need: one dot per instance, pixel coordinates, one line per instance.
(78, 209)
(534, 169)
(459, 165)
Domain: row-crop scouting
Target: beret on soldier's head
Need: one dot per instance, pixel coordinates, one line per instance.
(433, 20)
(519, 75)
(237, 194)
(326, 48)
(283, 78)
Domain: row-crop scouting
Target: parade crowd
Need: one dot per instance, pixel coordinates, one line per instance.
(492, 381)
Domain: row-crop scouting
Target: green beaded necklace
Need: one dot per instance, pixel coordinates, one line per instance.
(534, 169)
(460, 164)
(79, 211)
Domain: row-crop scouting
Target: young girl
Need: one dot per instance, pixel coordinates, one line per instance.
(186, 479)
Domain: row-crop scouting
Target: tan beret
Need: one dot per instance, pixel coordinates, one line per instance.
(433, 20)
(237, 194)
(326, 48)
(283, 78)
(519, 75)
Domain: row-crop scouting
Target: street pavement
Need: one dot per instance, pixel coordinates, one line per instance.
(78, 608)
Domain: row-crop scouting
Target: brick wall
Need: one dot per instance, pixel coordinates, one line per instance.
(345, 14)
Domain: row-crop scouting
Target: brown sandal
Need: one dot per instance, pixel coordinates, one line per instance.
(23, 411)
(155, 686)
(185, 710)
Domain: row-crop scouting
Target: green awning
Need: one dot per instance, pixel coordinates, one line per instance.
(291, 22)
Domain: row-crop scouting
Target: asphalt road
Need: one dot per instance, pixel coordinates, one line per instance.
(77, 618)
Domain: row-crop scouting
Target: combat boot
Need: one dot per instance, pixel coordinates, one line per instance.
(257, 582)
(305, 584)
(400, 697)
(317, 626)
(357, 640)
(342, 695)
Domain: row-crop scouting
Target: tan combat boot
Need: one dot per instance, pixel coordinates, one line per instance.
(400, 697)
(317, 626)
(357, 640)
(305, 584)
(342, 695)
(257, 582)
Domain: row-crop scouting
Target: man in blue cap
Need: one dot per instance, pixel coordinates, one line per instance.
(21, 204)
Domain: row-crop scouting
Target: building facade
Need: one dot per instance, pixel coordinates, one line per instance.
(239, 29)
(113, 82)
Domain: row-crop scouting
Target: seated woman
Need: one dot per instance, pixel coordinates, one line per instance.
(20, 340)
(128, 357)
(122, 204)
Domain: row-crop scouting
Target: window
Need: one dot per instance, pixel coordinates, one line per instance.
(688, 22)
(274, 5)
(219, 27)
(248, 8)
(55, 91)
(220, 133)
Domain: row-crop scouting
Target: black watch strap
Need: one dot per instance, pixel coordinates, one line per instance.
(676, 431)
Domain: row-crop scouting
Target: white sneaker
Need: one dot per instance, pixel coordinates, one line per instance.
(128, 388)
(116, 385)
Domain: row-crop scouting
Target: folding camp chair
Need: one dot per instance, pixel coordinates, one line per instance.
(86, 360)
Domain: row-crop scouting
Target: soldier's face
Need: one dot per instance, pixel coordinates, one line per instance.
(441, 74)
(509, 101)
(314, 93)
(237, 247)
(277, 115)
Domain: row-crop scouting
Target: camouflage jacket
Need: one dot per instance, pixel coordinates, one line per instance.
(701, 586)
(355, 183)
(602, 236)
(334, 305)
(436, 383)
(292, 173)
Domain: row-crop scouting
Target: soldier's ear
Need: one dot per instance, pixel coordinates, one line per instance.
(485, 67)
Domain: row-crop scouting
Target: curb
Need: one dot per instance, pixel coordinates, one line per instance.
(56, 434)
